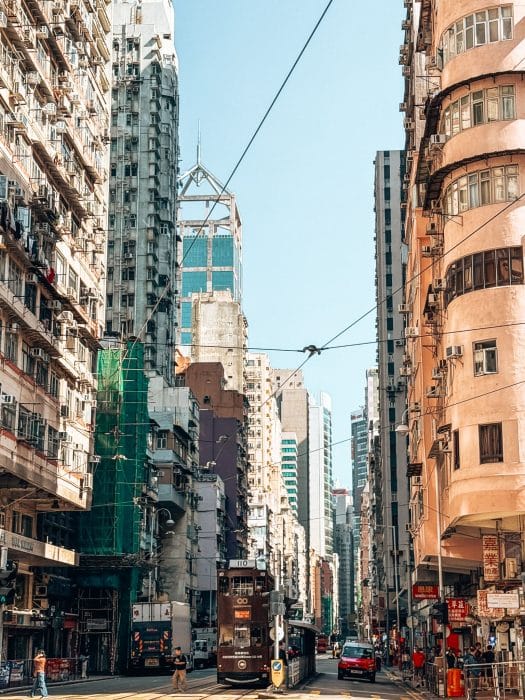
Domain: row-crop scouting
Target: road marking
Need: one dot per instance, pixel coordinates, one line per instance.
(315, 692)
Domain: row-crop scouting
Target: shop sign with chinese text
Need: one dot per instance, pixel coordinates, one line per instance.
(491, 558)
(458, 609)
(422, 591)
(485, 611)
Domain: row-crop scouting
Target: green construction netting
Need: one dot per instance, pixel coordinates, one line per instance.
(112, 527)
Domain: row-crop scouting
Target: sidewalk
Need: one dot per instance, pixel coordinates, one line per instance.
(394, 674)
(54, 684)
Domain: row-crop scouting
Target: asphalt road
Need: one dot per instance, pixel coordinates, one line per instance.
(202, 685)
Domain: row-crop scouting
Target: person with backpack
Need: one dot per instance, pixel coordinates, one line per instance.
(179, 677)
(473, 671)
(488, 657)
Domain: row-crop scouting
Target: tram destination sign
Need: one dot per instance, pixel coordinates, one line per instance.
(247, 564)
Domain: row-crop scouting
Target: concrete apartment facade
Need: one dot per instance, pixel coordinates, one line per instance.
(321, 517)
(388, 472)
(343, 546)
(54, 120)
(466, 296)
(142, 246)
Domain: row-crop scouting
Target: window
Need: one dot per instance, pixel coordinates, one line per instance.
(195, 251)
(222, 251)
(486, 26)
(455, 449)
(193, 282)
(480, 188)
(491, 268)
(222, 280)
(485, 358)
(479, 107)
(11, 345)
(490, 443)
(22, 524)
(162, 440)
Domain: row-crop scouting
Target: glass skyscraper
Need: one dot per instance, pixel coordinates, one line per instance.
(211, 234)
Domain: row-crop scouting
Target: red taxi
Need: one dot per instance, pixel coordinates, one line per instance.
(357, 659)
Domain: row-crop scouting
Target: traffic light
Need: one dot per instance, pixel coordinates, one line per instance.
(8, 582)
(277, 606)
(440, 613)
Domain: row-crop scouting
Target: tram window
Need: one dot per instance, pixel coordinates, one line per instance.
(258, 636)
(241, 638)
(259, 584)
(242, 585)
(226, 635)
(223, 584)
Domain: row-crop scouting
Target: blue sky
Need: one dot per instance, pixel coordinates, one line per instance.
(305, 189)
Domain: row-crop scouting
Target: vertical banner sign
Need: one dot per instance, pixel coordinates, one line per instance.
(458, 609)
(491, 558)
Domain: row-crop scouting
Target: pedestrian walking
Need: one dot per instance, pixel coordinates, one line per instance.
(451, 658)
(39, 674)
(473, 672)
(418, 662)
(179, 676)
(488, 658)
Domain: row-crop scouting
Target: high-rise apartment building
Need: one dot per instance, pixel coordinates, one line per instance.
(343, 545)
(320, 475)
(388, 472)
(54, 91)
(142, 284)
(209, 225)
(359, 455)
(289, 467)
(464, 287)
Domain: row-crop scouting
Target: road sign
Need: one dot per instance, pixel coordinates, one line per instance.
(277, 672)
(280, 633)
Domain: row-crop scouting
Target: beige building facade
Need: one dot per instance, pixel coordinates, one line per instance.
(465, 297)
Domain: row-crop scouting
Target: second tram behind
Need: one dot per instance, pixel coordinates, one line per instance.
(244, 647)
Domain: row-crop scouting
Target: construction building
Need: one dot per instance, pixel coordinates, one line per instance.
(114, 537)
(54, 93)
(464, 288)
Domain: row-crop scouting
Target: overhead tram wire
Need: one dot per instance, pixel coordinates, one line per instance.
(239, 161)
(419, 274)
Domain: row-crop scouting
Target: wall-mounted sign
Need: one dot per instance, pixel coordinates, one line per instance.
(491, 558)
(422, 591)
(485, 611)
(503, 600)
(458, 609)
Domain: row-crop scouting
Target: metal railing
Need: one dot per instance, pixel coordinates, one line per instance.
(17, 673)
(497, 681)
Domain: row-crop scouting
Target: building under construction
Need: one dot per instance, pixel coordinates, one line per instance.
(113, 539)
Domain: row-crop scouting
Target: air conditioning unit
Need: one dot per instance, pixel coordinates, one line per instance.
(433, 392)
(80, 46)
(442, 446)
(432, 62)
(74, 98)
(439, 284)
(128, 256)
(437, 373)
(49, 108)
(60, 127)
(87, 481)
(38, 352)
(436, 207)
(433, 299)
(426, 251)
(55, 304)
(7, 399)
(399, 343)
(438, 139)
(406, 71)
(454, 351)
(415, 407)
(63, 436)
(409, 124)
(94, 459)
(405, 371)
(403, 309)
(13, 328)
(66, 316)
(411, 332)
(71, 293)
(417, 481)
(402, 106)
(42, 32)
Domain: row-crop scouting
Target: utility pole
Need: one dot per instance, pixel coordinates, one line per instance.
(441, 586)
(396, 582)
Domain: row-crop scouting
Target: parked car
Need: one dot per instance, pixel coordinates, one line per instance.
(357, 659)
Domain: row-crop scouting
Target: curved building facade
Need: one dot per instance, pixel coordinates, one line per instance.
(465, 336)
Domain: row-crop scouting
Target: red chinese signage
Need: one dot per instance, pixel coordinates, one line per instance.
(491, 558)
(421, 591)
(458, 609)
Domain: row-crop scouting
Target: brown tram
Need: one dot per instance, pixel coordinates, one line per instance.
(244, 647)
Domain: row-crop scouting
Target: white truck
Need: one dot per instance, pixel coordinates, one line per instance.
(204, 647)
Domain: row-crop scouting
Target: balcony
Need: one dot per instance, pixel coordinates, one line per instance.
(35, 552)
(168, 494)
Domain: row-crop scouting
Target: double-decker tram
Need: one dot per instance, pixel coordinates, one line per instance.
(244, 646)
